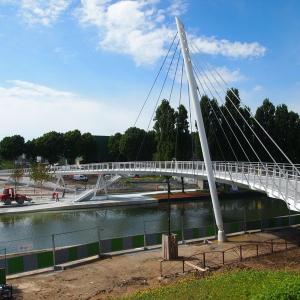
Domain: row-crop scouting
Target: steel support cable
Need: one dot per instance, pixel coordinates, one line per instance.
(253, 117)
(215, 115)
(174, 77)
(190, 113)
(256, 121)
(203, 73)
(156, 77)
(245, 121)
(227, 122)
(197, 78)
(179, 102)
(158, 98)
(171, 92)
(207, 78)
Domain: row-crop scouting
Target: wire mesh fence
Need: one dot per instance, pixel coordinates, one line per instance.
(187, 229)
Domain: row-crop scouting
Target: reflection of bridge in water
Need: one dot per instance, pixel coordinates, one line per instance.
(277, 180)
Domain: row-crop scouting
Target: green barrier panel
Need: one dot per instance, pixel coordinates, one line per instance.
(45, 259)
(138, 241)
(234, 227)
(196, 233)
(210, 230)
(15, 265)
(159, 238)
(2, 276)
(252, 225)
(93, 249)
(284, 221)
(72, 254)
(117, 244)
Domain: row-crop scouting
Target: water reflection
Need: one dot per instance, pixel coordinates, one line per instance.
(124, 221)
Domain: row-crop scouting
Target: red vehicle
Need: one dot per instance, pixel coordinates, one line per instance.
(9, 195)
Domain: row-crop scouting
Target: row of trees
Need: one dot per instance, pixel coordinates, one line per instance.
(226, 126)
(52, 146)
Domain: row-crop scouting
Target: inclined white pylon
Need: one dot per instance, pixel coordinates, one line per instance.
(201, 130)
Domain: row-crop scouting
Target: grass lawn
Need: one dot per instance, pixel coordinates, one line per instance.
(247, 284)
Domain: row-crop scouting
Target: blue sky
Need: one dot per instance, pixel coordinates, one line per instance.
(88, 64)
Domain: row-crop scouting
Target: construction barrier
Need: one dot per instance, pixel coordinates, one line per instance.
(19, 263)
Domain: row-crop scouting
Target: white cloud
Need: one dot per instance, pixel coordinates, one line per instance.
(258, 88)
(128, 27)
(141, 29)
(37, 109)
(41, 11)
(211, 45)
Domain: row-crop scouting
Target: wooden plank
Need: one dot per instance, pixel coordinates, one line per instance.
(195, 266)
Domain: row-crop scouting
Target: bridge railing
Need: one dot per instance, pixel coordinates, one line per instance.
(281, 179)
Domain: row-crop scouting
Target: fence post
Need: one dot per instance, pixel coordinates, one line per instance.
(182, 227)
(241, 253)
(53, 250)
(223, 258)
(204, 263)
(145, 241)
(256, 249)
(99, 241)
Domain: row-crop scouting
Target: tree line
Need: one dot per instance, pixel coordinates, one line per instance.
(52, 146)
(172, 136)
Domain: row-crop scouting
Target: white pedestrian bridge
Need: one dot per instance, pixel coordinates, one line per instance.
(281, 181)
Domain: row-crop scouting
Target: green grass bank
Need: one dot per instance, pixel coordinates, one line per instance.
(246, 284)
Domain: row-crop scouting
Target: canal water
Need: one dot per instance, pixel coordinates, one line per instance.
(26, 232)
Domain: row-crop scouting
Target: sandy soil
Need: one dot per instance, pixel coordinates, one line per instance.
(115, 276)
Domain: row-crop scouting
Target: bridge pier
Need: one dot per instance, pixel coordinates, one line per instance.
(182, 184)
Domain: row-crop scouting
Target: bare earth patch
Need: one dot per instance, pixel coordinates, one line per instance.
(116, 276)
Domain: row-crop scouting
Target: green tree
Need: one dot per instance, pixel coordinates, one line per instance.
(73, 145)
(132, 144)
(31, 149)
(11, 147)
(265, 115)
(165, 131)
(39, 173)
(16, 176)
(51, 146)
(183, 149)
(114, 147)
(88, 148)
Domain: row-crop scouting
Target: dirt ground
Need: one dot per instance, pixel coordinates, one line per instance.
(115, 276)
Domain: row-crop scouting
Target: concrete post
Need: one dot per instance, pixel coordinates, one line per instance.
(201, 130)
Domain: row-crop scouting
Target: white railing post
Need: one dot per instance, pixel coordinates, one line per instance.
(273, 180)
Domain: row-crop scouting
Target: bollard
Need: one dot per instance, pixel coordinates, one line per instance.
(99, 241)
(53, 250)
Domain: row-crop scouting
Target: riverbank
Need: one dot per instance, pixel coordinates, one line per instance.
(133, 272)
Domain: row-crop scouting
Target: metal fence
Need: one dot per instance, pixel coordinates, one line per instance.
(65, 247)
